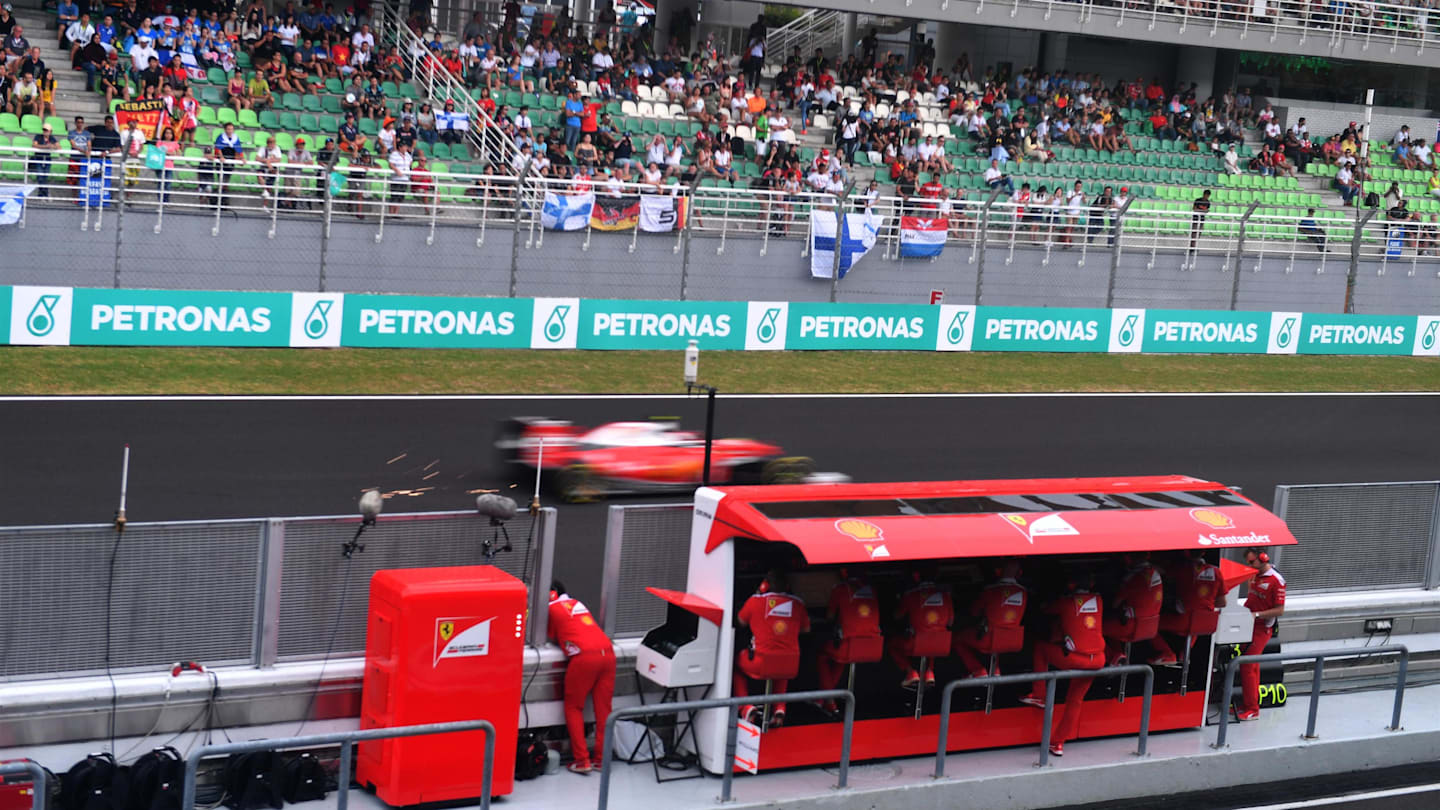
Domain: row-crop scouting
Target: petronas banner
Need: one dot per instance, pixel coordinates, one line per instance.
(104, 317)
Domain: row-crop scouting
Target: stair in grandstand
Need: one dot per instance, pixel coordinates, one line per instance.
(71, 98)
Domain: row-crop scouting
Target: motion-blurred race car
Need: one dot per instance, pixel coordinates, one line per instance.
(631, 457)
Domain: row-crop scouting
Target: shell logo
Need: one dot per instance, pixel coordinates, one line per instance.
(1203, 590)
(861, 530)
(779, 627)
(1089, 622)
(863, 611)
(586, 620)
(1212, 518)
(932, 617)
(1010, 616)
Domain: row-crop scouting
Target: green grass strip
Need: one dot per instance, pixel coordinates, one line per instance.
(85, 370)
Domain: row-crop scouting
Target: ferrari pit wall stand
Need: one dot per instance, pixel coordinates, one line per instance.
(1060, 530)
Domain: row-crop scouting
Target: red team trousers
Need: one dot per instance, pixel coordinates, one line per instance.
(1250, 673)
(1049, 654)
(590, 673)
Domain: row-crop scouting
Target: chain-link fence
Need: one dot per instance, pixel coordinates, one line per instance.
(226, 592)
(201, 223)
(1361, 536)
(645, 546)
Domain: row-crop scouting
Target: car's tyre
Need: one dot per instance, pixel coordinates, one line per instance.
(788, 470)
(576, 484)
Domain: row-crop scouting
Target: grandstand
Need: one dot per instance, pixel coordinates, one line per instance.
(469, 177)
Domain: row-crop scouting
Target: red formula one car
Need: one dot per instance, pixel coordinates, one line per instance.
(632, 457)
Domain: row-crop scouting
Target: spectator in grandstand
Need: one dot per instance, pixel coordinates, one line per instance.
(76, 35)
(25, 96)
(401, 163)
(1433, 183)
(45, 144)
(257, 92)
(997, 179)
(1393, 196)
(1423, 154)
(1402, 155)
(15, 47)
(269, 157)
(1310, 229)
(1200, 210)
(1346, 184)
(1099, 208)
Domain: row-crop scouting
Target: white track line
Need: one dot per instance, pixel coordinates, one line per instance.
(1327, 801)
(682, 397)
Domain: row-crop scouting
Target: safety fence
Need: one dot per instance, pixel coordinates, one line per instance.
(1050, 679)
(346, 741)
(273, 590)
(731, 731)
(1398, 522)
(1317, 675)
(316, 222)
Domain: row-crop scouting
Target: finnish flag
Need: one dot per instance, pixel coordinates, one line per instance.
(860, 230)
(12, 202)
(567, 212)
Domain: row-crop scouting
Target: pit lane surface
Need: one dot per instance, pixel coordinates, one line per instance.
(242, 457)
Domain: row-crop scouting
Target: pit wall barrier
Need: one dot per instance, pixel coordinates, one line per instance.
(79, 316)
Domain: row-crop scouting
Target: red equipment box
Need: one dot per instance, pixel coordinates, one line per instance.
(442, 644)
(17, 792)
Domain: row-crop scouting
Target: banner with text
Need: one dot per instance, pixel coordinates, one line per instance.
(36, 316)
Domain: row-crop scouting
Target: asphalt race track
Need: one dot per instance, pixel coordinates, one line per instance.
(210, 458)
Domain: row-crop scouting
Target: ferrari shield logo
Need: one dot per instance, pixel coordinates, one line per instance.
(447, 629)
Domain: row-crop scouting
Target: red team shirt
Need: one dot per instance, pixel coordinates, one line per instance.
(856, 609)
(573, 628)
(927, 608)
(1142, 592)
(1266, 592)
(1080, 622)
(1196, 587)
(1002, 604)
(776, 621)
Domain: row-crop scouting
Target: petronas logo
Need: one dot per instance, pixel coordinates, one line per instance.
(1287, 333)
(1428, 341)
(766, 330)
(956, 332)
(555, 324)
(41, 320)
(317, 323)
(1127, 330)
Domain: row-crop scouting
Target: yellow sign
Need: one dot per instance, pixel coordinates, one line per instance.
(447, 629)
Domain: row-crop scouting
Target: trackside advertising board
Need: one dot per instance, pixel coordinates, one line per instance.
(61, 316)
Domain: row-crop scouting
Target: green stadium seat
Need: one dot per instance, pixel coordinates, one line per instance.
(308, 123)
(31, 124)
(269, 119)
(311, 104)
(245, 118)
(334, 86)
(331, 104)
(291, 101)
(289, 122)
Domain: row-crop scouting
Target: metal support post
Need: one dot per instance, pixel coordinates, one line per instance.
(1362, 218)
(982, 231)
(515, 242)
(685, 236)
(119, 214)
(1239, 255)
(1315, 678)
(839, 242)
(1115, 251)
(709, 429)
(329, 216)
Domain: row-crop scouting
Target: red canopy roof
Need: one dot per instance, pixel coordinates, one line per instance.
(703, 608)
(845, 523)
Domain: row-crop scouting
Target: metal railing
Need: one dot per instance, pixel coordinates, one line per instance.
(816, 28)
(731, 733)
(1369, 23)
(1319, 658)
(1050, 678)
(347, 740)
(39, 784)
(440, 85)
